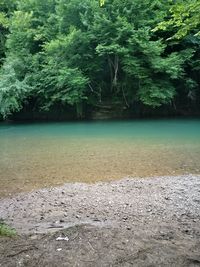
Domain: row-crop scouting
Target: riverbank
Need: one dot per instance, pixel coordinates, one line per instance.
(131, 222)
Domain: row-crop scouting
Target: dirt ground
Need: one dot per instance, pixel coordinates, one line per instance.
(131, 222)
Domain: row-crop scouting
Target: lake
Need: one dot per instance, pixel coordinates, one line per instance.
(49, 154)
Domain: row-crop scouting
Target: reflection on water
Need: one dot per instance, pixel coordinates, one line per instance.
(38, 155)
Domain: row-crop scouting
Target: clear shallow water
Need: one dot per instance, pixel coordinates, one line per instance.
(44, 154)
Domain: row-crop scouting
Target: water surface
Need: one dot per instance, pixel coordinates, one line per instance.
(45, 154)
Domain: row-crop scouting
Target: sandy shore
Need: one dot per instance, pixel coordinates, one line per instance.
(131, 222)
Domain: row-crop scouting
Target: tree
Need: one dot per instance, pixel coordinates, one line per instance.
(183, 17)
(83, 53)
(6, 9)
(12, 91)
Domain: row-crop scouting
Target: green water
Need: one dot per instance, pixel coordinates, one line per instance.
(45, 154)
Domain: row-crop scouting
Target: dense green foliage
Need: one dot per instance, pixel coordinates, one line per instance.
(184, 17)
(85, 53)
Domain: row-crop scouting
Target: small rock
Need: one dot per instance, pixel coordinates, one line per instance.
(60, 238)
(162, 233)
(96, 220)
(33, 237)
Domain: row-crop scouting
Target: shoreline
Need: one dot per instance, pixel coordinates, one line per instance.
(157, 215)
(71, 197)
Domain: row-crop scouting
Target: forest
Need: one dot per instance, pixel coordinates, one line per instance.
(73, 57)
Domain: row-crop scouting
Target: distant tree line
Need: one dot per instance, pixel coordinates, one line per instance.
(82, 54)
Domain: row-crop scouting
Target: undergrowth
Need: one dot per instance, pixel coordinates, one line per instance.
(6, 230)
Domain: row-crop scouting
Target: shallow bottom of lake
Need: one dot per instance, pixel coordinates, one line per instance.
(50, 154)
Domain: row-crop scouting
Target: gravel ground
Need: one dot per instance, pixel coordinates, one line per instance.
(131, 222)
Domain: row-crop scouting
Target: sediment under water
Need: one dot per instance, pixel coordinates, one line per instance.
(45, 154)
